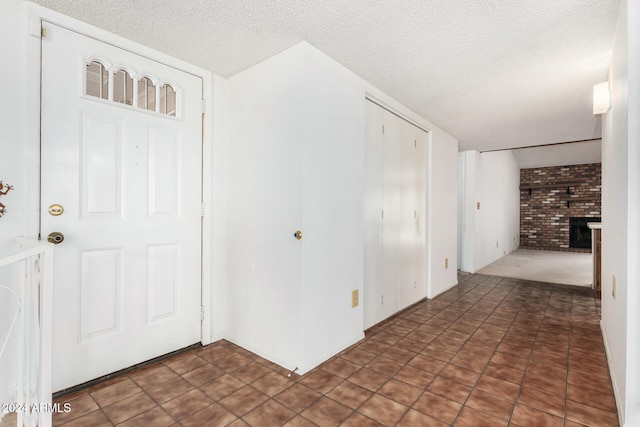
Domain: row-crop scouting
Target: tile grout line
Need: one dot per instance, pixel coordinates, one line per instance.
(450, 318)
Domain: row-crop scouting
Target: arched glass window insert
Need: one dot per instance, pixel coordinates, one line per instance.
(97, 80)
(167, 100)
(123, 87)
(146, 94)
(120, 87)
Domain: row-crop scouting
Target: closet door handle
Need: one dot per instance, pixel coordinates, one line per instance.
(298, 234)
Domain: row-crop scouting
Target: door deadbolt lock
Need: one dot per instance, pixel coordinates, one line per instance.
(55, 237)
(298, 234)
(56, 210)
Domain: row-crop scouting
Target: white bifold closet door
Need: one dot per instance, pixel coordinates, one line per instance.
(395, 211)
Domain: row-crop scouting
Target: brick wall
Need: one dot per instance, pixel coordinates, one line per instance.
(544, 214)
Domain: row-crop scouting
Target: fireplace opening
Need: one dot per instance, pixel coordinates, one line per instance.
(579, 233)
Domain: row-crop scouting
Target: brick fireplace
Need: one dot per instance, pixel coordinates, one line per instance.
(550, 198)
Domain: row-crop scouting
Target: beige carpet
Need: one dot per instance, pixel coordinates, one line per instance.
(567, 268)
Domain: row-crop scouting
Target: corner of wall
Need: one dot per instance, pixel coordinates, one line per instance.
(442, 230)
(490, 204)
(215, 173)
(467, 208)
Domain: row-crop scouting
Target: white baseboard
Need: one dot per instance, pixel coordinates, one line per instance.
(616, 392)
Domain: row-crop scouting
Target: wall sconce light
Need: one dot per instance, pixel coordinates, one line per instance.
(601, 98)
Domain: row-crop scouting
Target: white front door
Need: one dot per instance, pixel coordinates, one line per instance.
(122, 158)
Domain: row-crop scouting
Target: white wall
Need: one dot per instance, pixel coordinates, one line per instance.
(304, 96)
(492, 230)
(215, 227)
(462, 191)
(498, 219)
(333, 172)
(295, 162)
(266, 117)
(442, 212)
(633, 244)
(12, 117)
(620, 213)
(467, 161)
(12, 171)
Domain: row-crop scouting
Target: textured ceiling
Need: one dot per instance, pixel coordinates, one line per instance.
(493, 73)
(559, 155)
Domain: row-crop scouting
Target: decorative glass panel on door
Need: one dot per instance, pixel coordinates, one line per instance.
(97, 80)
(123, 87)
(146, 94)
(167, 100)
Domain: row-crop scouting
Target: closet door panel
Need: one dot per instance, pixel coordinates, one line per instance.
(392, 222)
(407, 283)
(395, 244)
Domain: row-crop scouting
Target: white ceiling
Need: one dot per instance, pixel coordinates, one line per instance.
(558, 155)
(493, 73)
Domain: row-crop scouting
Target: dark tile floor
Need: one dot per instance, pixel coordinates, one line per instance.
(489, 352)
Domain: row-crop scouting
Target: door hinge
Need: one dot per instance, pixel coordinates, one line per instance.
(204, 106)
(415, 214)
(415, 143)
(201, 312)
(43, 32)
(383, 214)
(383, 129)
(202, 210)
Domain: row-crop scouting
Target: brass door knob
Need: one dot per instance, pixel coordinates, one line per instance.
(298, 234)
(56, 210)
(55, 237)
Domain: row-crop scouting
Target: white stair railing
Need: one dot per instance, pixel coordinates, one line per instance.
(26, 271)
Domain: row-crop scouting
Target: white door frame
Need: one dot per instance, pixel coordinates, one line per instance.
(31, 138)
